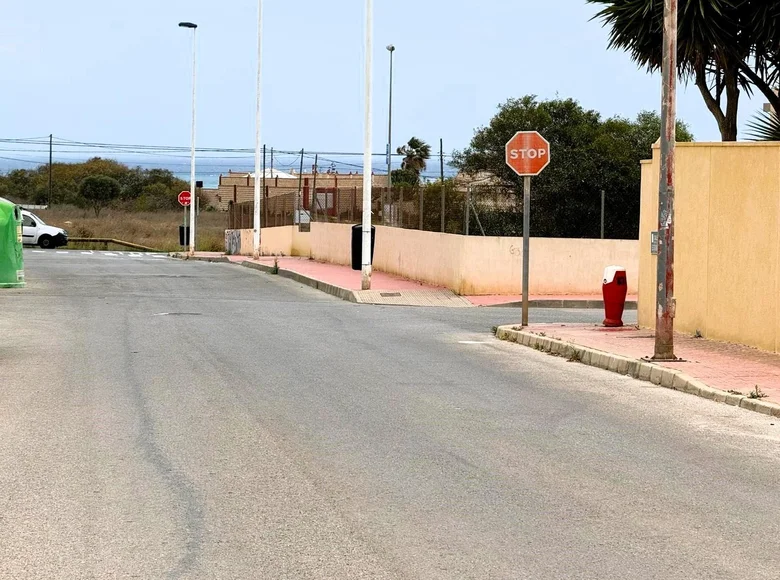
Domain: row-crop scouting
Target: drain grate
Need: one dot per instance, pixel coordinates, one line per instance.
(390, 294)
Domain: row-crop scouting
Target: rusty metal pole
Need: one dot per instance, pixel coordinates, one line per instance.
(665, 302)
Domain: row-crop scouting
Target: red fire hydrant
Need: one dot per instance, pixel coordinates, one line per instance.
(615, 289)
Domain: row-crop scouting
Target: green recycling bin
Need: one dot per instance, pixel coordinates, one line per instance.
(11, 260)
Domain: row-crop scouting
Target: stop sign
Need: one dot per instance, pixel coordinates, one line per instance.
(185, 198)
(528, 153)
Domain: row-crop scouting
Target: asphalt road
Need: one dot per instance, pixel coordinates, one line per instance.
(164, 419)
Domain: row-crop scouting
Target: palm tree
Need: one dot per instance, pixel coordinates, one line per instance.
(416, 153)
(726, 47)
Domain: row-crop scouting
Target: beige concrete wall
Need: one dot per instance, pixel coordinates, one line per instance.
(300, 243)
(430, 257)
(281, 241)
(276, 241)
(485, 265)
(726, 242)
(331, 243)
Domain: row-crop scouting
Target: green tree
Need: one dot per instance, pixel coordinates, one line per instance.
(588, 155)
(416, 154)
(99, 191)
(405, 177)
(724, 47)
(32, 185)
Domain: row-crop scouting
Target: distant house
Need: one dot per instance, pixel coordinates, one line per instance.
(238, 188)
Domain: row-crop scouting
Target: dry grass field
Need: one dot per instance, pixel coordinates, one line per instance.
(157, 230)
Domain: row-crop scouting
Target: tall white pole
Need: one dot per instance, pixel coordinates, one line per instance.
(258, 154)
(193, 212)
(367, 178)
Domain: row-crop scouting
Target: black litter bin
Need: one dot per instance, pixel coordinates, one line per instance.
(184, 236)
(357, 246)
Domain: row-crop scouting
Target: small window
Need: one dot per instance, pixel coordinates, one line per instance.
(28, 222)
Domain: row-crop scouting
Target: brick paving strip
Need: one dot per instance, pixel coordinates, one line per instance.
(723, 372)
(343, 282)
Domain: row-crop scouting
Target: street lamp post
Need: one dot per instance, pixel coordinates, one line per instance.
(366, 250)
(258, 160)
(193, 27)
(391, 50)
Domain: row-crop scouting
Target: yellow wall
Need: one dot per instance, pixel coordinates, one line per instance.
(727, 217)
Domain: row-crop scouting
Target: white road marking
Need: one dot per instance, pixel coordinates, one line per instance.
(38, 251)
(89, 253)
(473, 342)
(62, 251)
(109, 254)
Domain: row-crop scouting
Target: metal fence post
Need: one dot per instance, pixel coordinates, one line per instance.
(468, 203)
(422, 207)
(401, 207)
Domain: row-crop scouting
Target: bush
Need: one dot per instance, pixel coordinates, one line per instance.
(99, 191)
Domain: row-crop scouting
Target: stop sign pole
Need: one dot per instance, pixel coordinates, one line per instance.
(185, 199)
(527, 154)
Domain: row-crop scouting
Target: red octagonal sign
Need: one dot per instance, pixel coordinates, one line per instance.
(528, 153)
(185, 198)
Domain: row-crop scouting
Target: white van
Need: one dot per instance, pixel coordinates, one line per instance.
(35, 232)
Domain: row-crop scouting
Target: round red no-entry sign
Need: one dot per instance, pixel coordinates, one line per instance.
(185, 198)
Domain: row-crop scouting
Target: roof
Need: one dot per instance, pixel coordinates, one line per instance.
(275, 173)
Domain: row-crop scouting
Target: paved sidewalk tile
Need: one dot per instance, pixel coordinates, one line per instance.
(724, 366)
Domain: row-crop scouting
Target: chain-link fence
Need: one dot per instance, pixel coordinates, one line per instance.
(280, 210)
(448, 208)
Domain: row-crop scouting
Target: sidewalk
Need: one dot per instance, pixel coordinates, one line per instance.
(733, 369)
(345, 283)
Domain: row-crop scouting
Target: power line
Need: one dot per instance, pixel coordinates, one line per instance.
(143, 149)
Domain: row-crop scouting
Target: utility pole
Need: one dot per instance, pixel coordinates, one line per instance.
(51, 154)
(441, 167)
(258, 135)
(367, 181)
(665, 302)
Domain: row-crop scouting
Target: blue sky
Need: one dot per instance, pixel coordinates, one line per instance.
(119, 72)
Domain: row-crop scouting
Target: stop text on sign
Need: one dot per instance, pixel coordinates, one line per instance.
(527, 153)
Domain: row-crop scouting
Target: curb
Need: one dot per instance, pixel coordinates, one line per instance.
(349, 295)
(635, 368)
(563, 303)
(337, 291)
(179, 256)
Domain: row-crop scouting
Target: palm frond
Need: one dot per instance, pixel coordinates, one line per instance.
(765, 126)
